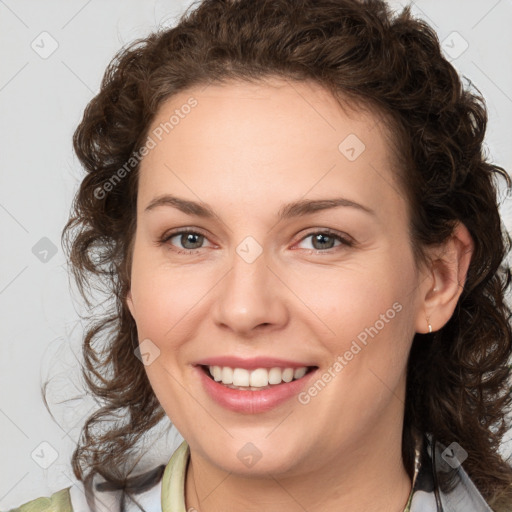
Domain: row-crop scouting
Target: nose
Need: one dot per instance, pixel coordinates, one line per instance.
(250, 298)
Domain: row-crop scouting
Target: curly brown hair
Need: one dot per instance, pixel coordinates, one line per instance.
(457, 381)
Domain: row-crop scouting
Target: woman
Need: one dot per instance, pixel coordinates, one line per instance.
(290, 203)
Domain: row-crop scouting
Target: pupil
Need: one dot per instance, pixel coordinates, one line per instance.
(321, 238)
(189, 238)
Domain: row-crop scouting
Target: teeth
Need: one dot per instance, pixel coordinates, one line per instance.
(258, 378)
(227, 375)
(240, 377)
(299, 372)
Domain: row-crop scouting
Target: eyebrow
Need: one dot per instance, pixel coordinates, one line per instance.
(295, 209)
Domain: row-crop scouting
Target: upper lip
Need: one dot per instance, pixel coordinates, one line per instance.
(251, 363)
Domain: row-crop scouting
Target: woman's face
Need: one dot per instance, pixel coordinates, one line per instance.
(256, 173)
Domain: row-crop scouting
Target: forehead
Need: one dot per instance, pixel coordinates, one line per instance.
(264, 109)
(276, 134)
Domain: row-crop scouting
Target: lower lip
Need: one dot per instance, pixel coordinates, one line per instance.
(252, 402)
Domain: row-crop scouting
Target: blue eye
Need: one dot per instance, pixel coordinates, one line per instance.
(324, 240)
(189, 240)
(185, 241)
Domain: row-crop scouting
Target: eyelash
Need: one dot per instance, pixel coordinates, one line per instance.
(344, 241)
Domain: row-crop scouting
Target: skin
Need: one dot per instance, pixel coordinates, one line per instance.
(246, 150)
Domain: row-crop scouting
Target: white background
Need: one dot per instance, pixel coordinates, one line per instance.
(41, 102)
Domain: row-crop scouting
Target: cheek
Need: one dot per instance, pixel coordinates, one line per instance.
(370, 314)
(165, 299)
(356, 303)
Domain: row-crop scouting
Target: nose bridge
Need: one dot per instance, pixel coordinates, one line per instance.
(250, 295)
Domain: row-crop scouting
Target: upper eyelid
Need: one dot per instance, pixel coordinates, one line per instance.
(172, 233)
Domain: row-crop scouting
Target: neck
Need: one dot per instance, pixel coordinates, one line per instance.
(371, 478)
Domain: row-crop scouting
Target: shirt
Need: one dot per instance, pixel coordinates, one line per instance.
(440, 484)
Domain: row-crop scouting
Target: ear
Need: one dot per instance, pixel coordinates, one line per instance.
(129, 303)
(446, 275)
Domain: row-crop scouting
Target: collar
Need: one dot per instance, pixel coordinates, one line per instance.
(440, 483)
(173, 480)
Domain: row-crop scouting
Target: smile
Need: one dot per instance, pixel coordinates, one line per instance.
(254, 390)
(259, 378)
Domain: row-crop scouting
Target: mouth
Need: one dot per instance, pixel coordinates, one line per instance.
(257, 379)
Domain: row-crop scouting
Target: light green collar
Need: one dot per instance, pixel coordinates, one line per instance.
(173, 480)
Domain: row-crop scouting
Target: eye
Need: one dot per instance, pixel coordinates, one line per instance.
(184, 241)
(189, 241)
(324, 240)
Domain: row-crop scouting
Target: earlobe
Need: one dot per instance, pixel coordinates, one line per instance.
(449, 267)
